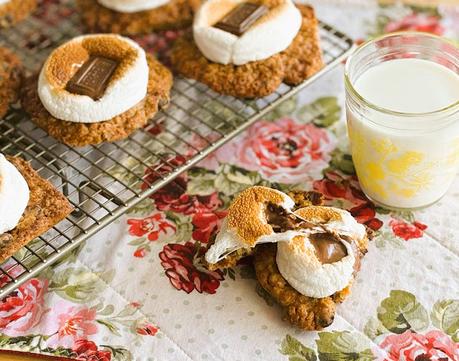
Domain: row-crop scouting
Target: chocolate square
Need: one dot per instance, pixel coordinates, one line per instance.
(93, 77)
(241, 18)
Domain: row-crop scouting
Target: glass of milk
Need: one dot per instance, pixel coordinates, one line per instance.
(402, 100)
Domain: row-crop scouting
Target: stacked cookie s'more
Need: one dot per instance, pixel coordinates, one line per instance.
(305, 255)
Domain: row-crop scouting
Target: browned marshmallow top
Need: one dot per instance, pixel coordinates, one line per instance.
(246, 213)
(65, 61)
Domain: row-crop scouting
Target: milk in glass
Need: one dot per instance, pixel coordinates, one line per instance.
(403, 124)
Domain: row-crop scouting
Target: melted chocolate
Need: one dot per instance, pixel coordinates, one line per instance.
(329, 248)
(282, 221)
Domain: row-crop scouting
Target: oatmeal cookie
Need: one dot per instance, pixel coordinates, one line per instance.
(255, 79)
(304, 312)
(174, 15)
(46, 207)
(10, 79)
(119, 127)
(14, 11)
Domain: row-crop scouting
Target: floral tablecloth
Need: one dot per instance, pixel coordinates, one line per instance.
(136, 290)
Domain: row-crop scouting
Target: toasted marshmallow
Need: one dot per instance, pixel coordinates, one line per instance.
(270, 35)
(302, 267)
(132, 6)
(14, 195)
(334, 219)
(127, 87)
(246, 225)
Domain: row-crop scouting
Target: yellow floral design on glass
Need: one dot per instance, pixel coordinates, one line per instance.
(384, 169)
(453, 157)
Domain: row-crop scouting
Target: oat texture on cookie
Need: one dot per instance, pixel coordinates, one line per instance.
(251, 65)
(114, 16)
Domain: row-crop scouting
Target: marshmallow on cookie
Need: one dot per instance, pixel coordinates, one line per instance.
(238, 32)
(112, 74)
(132, 6)
(14, 195)
(317, 247)
(322, 261)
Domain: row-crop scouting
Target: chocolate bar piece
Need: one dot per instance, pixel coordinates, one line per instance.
(241, 18)
(93, 77)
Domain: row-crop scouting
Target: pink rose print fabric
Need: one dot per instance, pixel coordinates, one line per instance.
(70, 323)
(76, 323)
(88, 351)
(416, 22)
(411, 346)
(286, 151)
(207, 224)
(406, 230)
(23, 308)
(152, 226)
(146, 329)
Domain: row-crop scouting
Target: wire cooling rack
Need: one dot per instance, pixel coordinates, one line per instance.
(197, 122)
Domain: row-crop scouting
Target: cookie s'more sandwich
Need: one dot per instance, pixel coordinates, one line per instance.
(29, 205)
(305, 258)
(96, 88)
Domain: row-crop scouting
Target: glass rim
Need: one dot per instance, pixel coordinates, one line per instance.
(354, 92)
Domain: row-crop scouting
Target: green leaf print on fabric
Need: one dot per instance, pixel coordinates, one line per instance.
(200, 182)
(110, 326)
(374, 328)
(227, 179)
(209, 108)
(387, 238)
(323, 112)
(129, 170)
(183, 225)
(142, 208)
(343, 345)
(445, 316)
(342, 161)
(296, 351)
(231, 180)
(331, 346)
(79, 284)
(229, 272)
(401, 312)
(286, 108)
